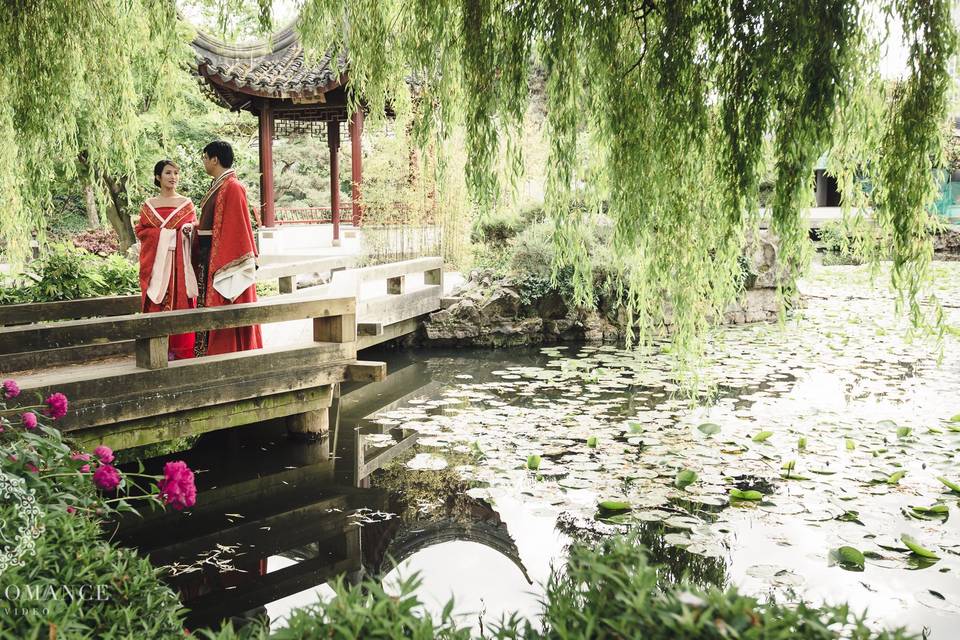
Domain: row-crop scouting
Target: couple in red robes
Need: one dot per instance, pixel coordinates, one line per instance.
(207, 260)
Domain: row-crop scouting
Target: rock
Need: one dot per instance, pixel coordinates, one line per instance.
(761, 251)
(503, 303)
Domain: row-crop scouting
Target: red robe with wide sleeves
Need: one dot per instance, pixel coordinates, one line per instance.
(170, 293)
(232, 244)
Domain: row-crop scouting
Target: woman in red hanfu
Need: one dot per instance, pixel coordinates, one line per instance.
(225, 253)
(167, 279)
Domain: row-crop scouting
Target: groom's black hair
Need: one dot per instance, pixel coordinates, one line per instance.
(222, 151)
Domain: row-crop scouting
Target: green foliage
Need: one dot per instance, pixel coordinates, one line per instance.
(666, 111)
(116, 594)
(612, 592)
(69, 273)
(606, 591)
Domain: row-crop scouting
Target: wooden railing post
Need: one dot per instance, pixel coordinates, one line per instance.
(152, 352)
(342, 328)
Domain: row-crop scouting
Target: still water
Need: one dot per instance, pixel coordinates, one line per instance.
(838, 421)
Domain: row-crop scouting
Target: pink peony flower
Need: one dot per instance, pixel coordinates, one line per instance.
(85, 469)
(106, 477)
(177, 488)
(77, 455)
(56, 406)
(71, 510)
(32, 467)
(29, 420)
(104, 453)
(10, 389)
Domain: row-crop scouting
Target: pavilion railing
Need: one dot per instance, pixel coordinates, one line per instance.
(316, 215)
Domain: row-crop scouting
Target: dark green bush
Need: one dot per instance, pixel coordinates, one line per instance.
(606, 592)
(69, 273)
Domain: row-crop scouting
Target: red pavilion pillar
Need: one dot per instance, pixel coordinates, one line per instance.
(267, 214)
(333, 140)
(356, 164)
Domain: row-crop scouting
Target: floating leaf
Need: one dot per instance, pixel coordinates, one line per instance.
(737, 494)
(917, 548)
(903, 432)
(851, 445)
(533, 462)
(762, 436)
(802, 443)
(709, 428)
(847, 558)
(950, 485)
(614, 505)
(849, 516)
(592, 442)
(895, 477)
(636, 427)
(887, 424)
(955, 418)
(685, 478)
(937, 508)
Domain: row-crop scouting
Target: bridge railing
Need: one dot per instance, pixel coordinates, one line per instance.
(152, 399)
(412, 289)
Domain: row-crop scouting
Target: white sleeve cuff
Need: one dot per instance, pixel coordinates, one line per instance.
(233, 281)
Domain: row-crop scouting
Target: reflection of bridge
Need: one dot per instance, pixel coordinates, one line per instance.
(140, 397)
(275, 518)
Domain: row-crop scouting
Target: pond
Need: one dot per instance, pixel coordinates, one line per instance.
(830, 431)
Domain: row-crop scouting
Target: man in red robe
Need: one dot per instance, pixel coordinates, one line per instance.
(225, 253)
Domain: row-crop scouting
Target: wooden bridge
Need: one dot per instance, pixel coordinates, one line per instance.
(112, 362)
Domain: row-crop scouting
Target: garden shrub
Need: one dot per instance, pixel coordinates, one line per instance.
(607, 591)
(70, 273)
(73, 583)
(102, 242)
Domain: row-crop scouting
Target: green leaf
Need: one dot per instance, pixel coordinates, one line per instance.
(592, 442)
(955, 418)
(737, 494)
(762, 436)
(709, 428)
(895, 477)
(636, 427)
(851, 445)
(685, 478)
(533, 462)
(936, 508)
(951, 485)
(917, 548)
(847, 558)
(802, 443)
(614, 505)
(903, 432)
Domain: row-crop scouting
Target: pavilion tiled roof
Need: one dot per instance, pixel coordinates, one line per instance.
(273, 68)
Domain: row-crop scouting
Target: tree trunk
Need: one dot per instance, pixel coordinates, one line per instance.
(116, 213)
(93, 216)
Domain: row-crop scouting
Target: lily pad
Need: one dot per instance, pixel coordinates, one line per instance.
(950, 485)
(847, 558)
(709, 428)
(614, 505)
(685, 478)
(762, 436)
(533, 462)
(917, 548)
(737, 494)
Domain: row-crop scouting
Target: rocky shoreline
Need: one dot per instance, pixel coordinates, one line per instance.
(490, 310)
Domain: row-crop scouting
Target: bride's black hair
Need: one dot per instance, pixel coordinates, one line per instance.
(158, 169)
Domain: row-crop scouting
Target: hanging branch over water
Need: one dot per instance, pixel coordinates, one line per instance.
(659, 112)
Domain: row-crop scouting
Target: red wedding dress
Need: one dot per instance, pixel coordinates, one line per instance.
(167, 279)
